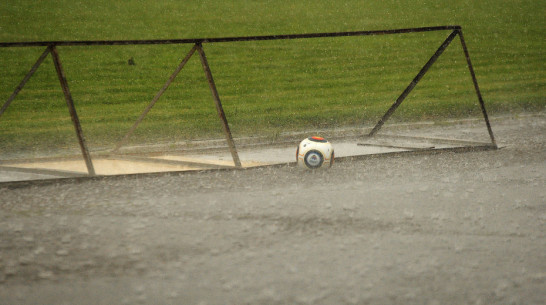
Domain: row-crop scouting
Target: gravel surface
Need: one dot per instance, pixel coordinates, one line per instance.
(450, 228)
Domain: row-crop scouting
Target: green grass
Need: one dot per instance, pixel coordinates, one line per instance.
(265, 87)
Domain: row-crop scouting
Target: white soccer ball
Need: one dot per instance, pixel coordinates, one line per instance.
(315, 152)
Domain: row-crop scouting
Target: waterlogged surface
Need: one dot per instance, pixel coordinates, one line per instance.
(462, 228)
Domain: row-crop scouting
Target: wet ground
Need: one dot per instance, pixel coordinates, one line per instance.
(450, 228)
(252, 152)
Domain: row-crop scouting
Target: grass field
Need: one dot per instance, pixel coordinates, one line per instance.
(265, 87)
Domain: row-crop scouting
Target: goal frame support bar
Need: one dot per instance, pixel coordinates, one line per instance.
(413, 83)
(456, 30)
(51, 49)
(422, 73)
(226, 39)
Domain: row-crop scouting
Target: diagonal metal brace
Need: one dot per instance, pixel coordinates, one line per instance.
(25, 80)
(219, 109)
(413, 83)
(155, 99)
(72, 110)
(477, 88)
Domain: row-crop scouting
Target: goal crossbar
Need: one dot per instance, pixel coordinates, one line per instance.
(226, 39)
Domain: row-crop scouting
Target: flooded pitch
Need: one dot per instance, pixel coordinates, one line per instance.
(459, 228)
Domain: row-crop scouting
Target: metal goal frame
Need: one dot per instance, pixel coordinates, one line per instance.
(51, 47)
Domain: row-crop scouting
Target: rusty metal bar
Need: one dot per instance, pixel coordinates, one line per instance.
(476, 87)
(219, 108)
(432, 151)
(395, 146)
(155, 99)
(72, 110)
(25, 80)
(413, 83)
(229, 39)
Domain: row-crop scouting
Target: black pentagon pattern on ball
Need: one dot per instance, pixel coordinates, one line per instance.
(313, 159)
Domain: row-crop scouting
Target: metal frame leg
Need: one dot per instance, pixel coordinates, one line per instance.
(72, 110)
(219, 108)
(477, 88)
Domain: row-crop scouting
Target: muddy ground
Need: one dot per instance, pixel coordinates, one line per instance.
(451, 228)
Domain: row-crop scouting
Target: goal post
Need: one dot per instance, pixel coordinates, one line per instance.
(198, 47)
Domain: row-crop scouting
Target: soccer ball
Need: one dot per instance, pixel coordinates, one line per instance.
(314, 152)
